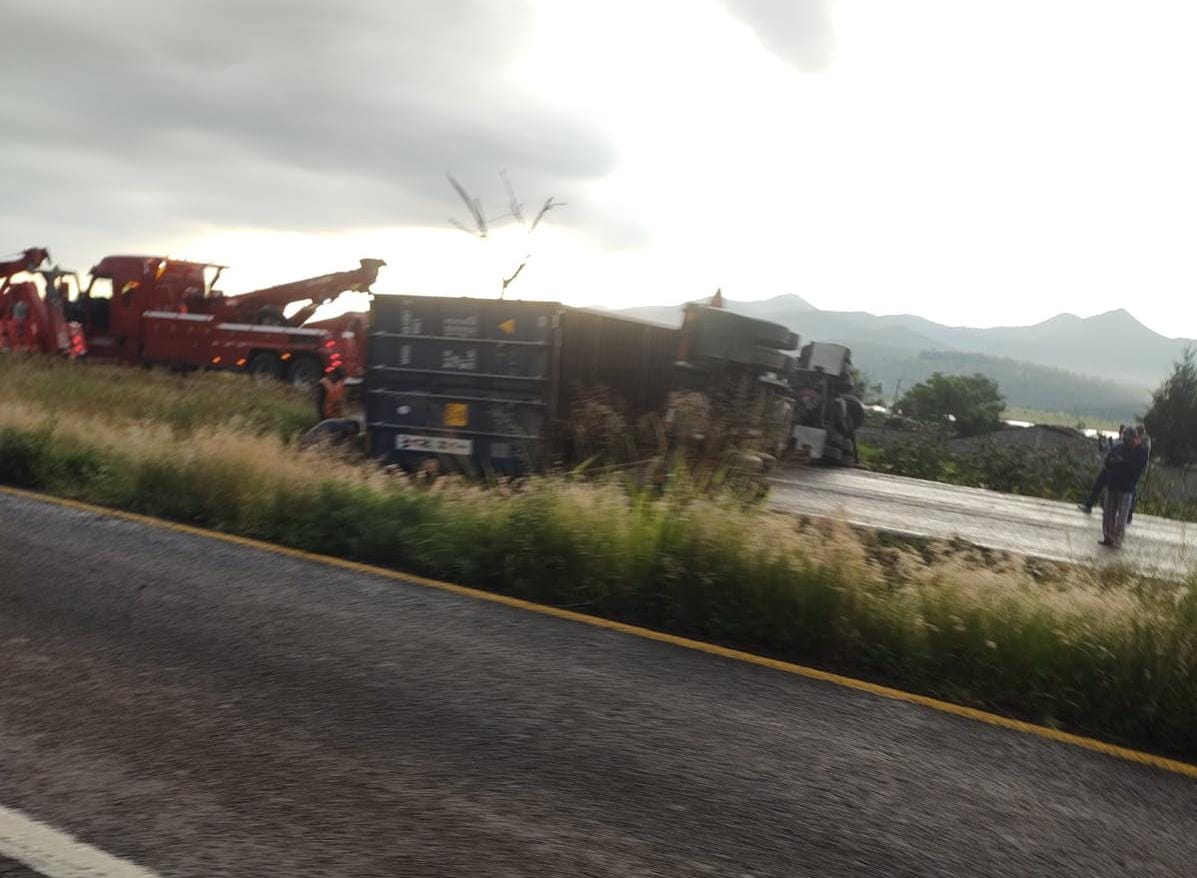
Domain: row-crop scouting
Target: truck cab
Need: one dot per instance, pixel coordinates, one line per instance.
(827, 413)
(122, 289)
(158, 311)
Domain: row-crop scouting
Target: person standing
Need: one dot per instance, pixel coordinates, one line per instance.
(1124, 467)
(330, 395)
(1099, 484)
(1145, 441)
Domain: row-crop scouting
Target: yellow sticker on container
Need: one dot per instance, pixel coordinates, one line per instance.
(508, 326)
(457, 414)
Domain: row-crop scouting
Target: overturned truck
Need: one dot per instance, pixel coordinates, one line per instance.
(827, 414)
(513, 387)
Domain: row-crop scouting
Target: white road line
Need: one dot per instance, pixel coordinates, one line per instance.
(57, 855)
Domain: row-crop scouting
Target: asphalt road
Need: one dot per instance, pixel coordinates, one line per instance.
(12, 869)
(1027, 525)
(203, 709)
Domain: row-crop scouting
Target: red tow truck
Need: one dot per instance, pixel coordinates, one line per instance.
(155, 310)
(33, 321)
(356, 323)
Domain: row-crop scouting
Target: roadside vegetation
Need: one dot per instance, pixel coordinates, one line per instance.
(1026, 386)
(925, 451)
(180, 402)
(1098, 651)
(1053, 474)
(969, 405)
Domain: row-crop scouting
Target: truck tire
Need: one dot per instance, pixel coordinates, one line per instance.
(266, 367)
(305, 372)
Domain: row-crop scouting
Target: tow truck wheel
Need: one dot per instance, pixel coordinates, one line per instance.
(266, 367)
(305, 373)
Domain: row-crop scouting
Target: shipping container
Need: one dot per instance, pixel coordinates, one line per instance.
(514, 386)
(487, 384)
(464, 379)
(827, 414)
(713, 334)
(624, 363)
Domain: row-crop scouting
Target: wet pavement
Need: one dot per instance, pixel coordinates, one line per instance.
(1026, 525)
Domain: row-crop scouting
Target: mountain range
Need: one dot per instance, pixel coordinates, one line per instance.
(1102, 366)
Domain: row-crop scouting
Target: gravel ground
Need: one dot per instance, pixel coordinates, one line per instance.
(204, 709)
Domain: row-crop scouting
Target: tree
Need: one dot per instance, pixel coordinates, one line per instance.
(973, 403)
(864, 388)
(1171, 422)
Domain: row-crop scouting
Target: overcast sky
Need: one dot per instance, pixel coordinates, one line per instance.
(978, 163)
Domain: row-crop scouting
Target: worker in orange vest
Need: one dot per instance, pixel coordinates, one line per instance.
(330, 395)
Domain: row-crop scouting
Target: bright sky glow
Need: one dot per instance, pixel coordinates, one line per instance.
(977, 163)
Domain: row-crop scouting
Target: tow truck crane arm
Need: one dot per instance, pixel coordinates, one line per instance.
(268, 303)
(41, 324)
(29, 260)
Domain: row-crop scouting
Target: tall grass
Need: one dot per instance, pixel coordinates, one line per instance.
(180, 401)
(1099, 651)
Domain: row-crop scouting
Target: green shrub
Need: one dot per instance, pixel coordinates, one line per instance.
(1053, 474)
(23, 457)
(923, 454)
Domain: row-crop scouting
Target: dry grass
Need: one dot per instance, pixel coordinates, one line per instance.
(1102, 651)
(180, 401)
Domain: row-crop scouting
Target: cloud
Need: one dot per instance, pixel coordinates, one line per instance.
(143, 117)
(798, 31)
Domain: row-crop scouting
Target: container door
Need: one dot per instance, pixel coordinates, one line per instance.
(468, 383)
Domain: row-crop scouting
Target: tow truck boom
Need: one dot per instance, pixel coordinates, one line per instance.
(29, 260)
(266, 306)
(31, 321)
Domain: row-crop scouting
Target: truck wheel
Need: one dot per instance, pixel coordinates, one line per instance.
(305, 373)
(266, 367)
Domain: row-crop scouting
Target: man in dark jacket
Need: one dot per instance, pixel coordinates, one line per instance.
(1124, 466)
(1099, 484)
(1145, 441)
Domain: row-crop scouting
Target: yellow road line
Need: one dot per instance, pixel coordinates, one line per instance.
(1172, 765)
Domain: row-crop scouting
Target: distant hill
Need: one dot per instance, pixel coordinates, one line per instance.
(1025, 385)
(1103, 366)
